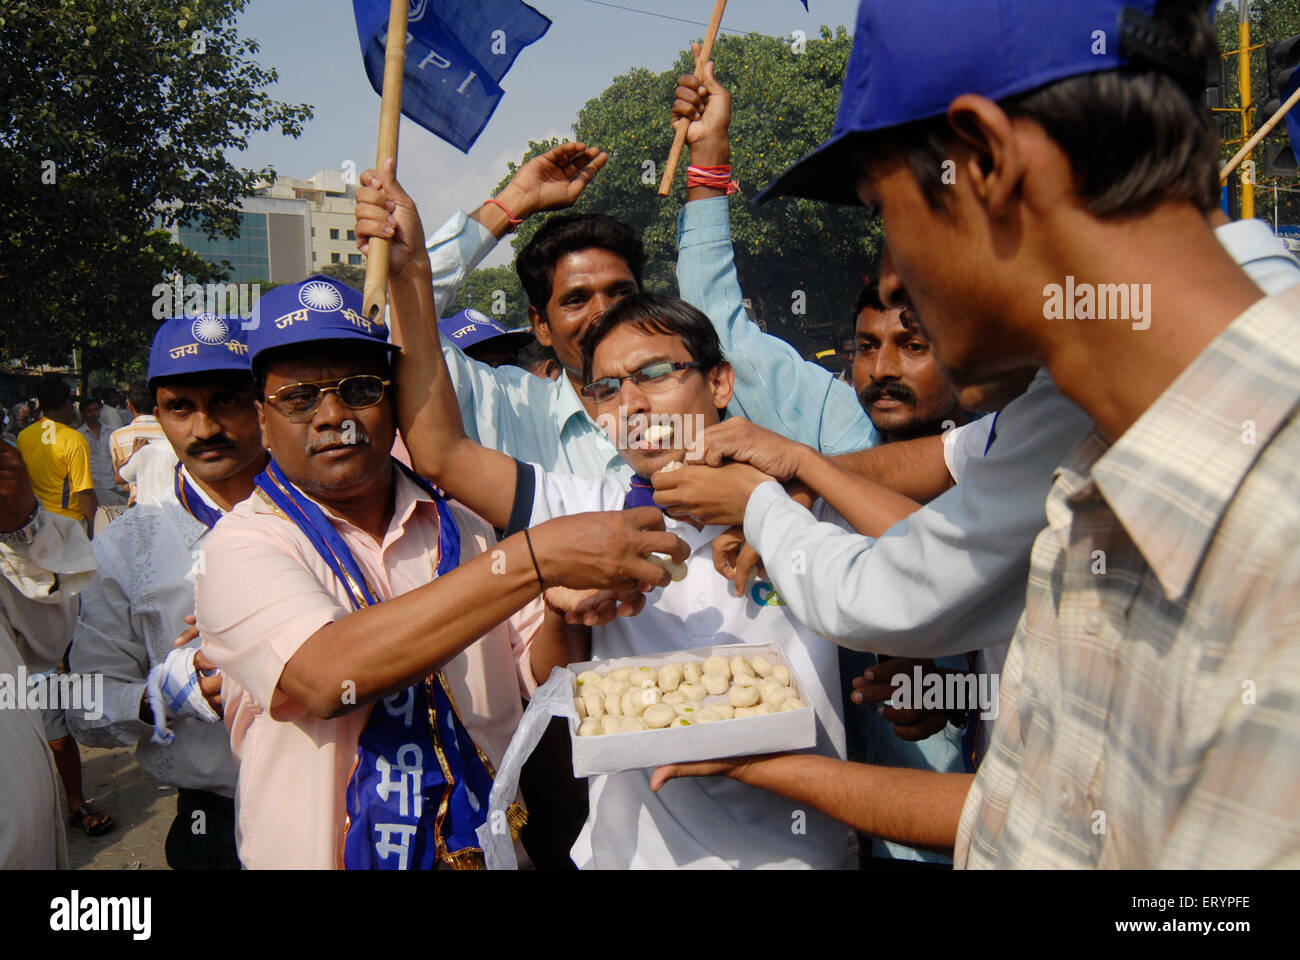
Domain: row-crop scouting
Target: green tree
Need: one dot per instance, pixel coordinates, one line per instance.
(350, 274)
(120, 113)
(800, 262)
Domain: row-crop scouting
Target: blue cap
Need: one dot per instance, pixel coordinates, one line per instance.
(911, 60)
(203, 344)
(318, 308)
(470, 328)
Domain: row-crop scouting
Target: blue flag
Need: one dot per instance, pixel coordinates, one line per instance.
(457, 51)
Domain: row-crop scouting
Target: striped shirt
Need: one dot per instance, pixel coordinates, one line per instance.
(1149, 712)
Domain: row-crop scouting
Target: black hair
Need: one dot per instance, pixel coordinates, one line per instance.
(52, 394)
(533, 353)
(1134, 137)
(657, 314)
(569, 233)
(869, 299)
(141, 397)
(329, 348)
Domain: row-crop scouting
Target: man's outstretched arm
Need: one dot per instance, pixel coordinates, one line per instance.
(916, 807)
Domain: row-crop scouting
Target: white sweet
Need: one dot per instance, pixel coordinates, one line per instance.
(723, 709)
(693, 691)
(740, 665)
(707, 715)
(617, 688)
(687, 709)
(717, 664)
(762, 666)
(589, 728)
(580, 707)
(675, 697)
(742, 712)
(744, 680)
(682, 722)
(655, 433)
(782, 673)
(691, 671)
(634, 702)
(776, 695)
(605, 684)
(620, 673)
(612, 705)
(632, 725)
(611, 724)
(715, 683)
(659, 716)
(764, 708)
(670, 675)
(676, 571)
(791, 703)
(595, 704)
(742, 696)
(588, 676)
(639, 676)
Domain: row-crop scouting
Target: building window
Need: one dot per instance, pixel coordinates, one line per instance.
(313, 256)
(334, 233)
(352, 234)
(313, 231)
(334, 258)
(354, 259)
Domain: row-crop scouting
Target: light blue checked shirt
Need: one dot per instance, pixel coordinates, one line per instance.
(544, 421)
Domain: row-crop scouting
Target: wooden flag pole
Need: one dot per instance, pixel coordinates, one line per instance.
(679, 141)
(390, 114)
(1260, 134)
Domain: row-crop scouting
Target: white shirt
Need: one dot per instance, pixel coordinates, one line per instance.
(129, 617)
(109, 418)
(101, 456)
(707, 822)
(152, 469)
(38, 587)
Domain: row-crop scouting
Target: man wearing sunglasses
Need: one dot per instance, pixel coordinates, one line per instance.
(653, 367)
(371, 679)
(161, 692)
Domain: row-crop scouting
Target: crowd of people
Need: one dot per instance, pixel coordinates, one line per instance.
(359, 545)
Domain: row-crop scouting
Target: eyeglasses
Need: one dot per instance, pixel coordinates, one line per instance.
(298, 401)
(651, 378)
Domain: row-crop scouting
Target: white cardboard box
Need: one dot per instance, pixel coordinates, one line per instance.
(772, 733)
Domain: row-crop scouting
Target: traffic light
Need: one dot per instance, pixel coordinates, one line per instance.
(1216, 97)
(1281, 60)
(1279, 160)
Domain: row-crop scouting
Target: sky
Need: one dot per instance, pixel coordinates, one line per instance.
(313, 46)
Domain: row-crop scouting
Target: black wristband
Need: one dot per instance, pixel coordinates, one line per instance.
(541, 584)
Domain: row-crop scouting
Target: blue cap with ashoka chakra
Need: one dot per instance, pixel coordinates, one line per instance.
(469, 328)
(202, 344)
(318, 308)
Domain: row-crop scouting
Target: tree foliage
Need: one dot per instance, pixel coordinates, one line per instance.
(790, 254)
(495, 291)
(120, 113)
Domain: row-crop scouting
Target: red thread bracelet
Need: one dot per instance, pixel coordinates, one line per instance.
(514, 221)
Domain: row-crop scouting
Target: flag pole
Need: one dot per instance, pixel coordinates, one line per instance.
(679, 140)
(1260, 134)
(390, 113)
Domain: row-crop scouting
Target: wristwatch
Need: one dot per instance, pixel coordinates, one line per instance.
(27, 532)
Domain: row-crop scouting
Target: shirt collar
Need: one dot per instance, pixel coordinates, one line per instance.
(568, 405)
(1172, 475)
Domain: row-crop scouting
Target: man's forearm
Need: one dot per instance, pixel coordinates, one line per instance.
(380, 650)
(914, 468)
(89, 503)
(870, 507)
(557, 644)
(915, 807)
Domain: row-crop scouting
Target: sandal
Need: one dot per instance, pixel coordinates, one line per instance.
(91, 820)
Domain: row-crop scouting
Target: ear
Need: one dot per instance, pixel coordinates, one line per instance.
(541, 329)
(261, 422)
(722, 383)
(998, 166)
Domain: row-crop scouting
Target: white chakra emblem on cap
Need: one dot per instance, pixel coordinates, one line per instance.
(319, 295)
(210, 328)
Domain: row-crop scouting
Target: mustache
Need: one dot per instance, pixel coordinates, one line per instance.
(221, 442)
(894, 389)
(356, 437)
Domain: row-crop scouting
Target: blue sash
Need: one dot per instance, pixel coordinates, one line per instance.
(642, 494)
(419, 787)
(193, 502)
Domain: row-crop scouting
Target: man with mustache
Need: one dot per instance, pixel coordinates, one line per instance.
(161, 693)
(372, 678)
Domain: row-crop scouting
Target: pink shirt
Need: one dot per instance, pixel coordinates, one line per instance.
(262, 591)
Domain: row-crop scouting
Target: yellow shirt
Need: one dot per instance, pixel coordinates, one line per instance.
(58, 460)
